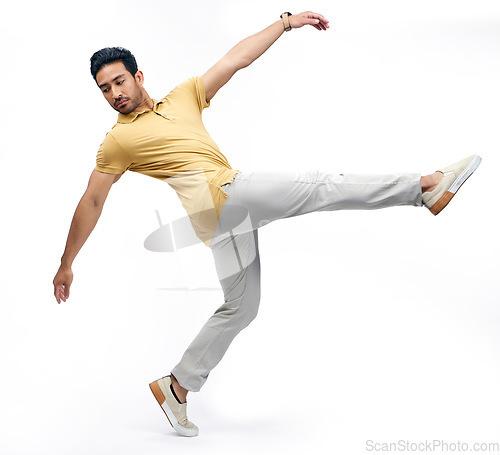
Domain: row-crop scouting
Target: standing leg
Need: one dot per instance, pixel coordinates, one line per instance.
(238, 268)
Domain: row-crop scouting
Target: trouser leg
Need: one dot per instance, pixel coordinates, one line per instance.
(268, 196)
(238, 268)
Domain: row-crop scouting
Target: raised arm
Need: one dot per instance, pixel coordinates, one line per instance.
(85, 218)
(251, 48)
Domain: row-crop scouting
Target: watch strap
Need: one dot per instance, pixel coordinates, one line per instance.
(286, 22)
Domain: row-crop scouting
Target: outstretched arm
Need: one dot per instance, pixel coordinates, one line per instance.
(251, 48)
(86, 215)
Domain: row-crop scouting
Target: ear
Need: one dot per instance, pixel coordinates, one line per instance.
(139, 77)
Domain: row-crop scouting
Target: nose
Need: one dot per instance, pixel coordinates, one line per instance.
(117, 93)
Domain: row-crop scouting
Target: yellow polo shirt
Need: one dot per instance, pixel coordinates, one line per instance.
(170, 143)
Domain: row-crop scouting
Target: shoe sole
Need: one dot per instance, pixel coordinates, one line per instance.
(160, 398)
(445, 199)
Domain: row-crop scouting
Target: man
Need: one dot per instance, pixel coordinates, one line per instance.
(166, 139)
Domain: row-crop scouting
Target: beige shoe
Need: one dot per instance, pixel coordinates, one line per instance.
(454, 177)
(175, 412)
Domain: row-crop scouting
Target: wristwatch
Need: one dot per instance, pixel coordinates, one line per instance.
(286, 22)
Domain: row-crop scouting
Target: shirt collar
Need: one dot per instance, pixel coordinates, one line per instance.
(129, 118)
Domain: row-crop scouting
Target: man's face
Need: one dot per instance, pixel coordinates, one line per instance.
(121, 90)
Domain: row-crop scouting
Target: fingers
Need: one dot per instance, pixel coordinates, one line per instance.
(317, 16)
(318, 21)
(56, 293)
(62, 282)
(318, 24)
(61, 293)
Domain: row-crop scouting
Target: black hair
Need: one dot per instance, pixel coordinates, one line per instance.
(112, 54)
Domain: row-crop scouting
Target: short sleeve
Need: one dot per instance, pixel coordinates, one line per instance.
(200, 92)
(193, 89)
(111, 158)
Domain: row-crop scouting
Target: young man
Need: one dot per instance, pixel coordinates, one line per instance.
(166, 139)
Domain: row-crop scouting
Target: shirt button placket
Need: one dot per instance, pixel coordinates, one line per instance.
(162, 115)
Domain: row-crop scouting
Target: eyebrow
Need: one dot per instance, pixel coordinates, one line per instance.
(117, 77)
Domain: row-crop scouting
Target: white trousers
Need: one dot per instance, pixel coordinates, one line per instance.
(256, 199)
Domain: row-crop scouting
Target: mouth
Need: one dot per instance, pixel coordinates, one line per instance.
(121, 103)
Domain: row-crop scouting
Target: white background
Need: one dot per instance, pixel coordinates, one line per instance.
(373, 325)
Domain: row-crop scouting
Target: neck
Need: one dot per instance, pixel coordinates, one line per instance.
(146, 103)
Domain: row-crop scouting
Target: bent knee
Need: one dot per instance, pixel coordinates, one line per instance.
(248, 310)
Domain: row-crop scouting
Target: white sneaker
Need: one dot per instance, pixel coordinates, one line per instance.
(454, 177)
(175, 412)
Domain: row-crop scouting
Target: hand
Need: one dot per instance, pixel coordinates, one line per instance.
(62, 282)
(308, 18)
